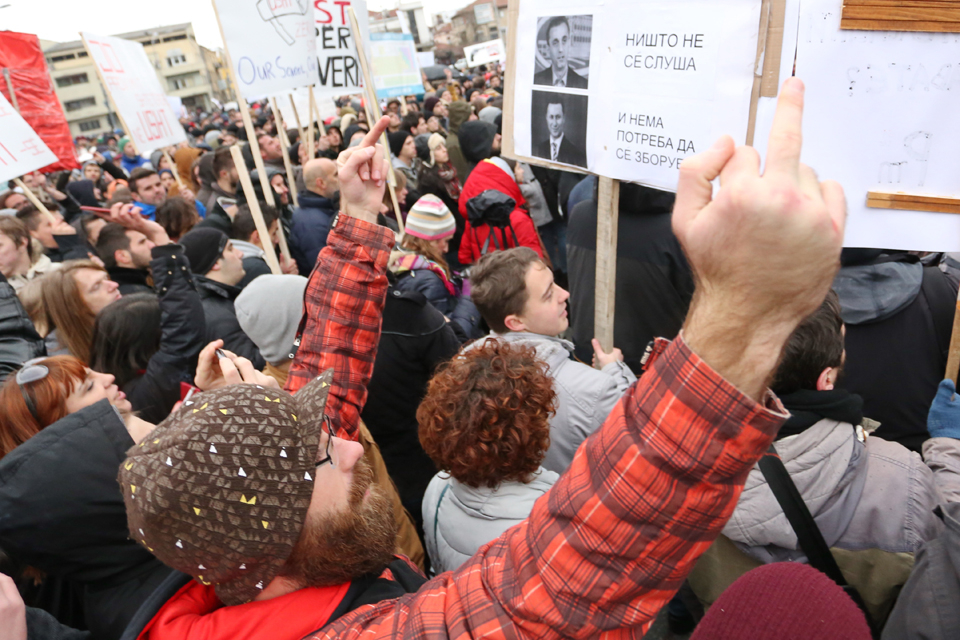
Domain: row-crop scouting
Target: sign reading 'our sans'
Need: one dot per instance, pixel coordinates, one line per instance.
(272, 44)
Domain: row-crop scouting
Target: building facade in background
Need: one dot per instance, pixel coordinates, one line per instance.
(186, 70)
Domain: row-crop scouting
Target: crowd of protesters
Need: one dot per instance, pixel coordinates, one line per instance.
(412, 430)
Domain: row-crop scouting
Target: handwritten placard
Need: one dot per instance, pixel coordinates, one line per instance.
(21, 149)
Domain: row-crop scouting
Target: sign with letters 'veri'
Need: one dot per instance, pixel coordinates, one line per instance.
(272, 44)
(21, 149)
(136, 92)
(339, 66)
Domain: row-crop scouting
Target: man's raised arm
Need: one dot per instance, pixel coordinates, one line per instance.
(343, 302)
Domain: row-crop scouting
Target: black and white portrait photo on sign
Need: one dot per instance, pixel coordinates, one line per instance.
(558, 125)
(563, 51)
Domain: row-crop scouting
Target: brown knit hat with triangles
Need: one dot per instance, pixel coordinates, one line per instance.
(220, 489)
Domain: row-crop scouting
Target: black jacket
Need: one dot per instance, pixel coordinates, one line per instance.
(221, 320)
(63, 513)
(414, 340)
(311, 224)
(19, 340)
(182, 332)
(43, 626)
(654, 282)
(217, 218)
(130, 280)
(69, 247)
(461, 311)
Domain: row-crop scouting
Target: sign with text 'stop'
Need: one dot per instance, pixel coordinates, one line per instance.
(21, 149)
(272, 44)
(133, 84)
(338, 64)
(629, 88)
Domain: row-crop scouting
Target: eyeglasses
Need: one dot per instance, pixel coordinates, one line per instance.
(31, 372)
(327, 453)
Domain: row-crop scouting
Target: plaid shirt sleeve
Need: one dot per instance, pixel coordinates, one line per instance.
(612, 541)
(343, 305)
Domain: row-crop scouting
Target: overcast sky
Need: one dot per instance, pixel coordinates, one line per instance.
(61, 20)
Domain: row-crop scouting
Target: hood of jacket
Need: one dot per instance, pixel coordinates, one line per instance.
(269, 311)
(490, 175)
(476, 140)
(872, 292)
(459, 112)
(552, 350)
(248, 249)
(828, 464)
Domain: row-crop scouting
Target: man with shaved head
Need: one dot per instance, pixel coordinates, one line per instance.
(319, 204)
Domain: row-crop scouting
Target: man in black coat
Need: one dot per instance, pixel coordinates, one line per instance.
(559, 73)
(126, 255)
(319, 205)
(557, 147)
(217, 268)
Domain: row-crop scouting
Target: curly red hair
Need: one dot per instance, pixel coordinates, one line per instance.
(486, 416)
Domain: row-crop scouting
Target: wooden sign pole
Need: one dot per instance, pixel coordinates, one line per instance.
(265, 242)
(953, 355)
(296, 115)
(311, 147)
(285, 145)
(13, 94)
(173, 170)
(32, 197)
(247, 124)
(608, 207)
(374, 114)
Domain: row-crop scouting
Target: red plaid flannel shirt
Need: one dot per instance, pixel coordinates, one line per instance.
(612, 541)
(343, 305)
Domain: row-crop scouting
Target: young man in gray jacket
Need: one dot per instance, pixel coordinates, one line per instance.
(515, 293)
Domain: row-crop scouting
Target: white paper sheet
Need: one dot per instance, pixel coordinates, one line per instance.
(338, 64)
(21, 149)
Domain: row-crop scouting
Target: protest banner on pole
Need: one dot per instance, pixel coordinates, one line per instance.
(485, 53)
(132, 84)
(265, 242)
(337, 61)
(294, 104)
(393, 64)
(21, 149)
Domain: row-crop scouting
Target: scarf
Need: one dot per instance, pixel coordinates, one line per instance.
(196, 612)
(450, 180)
(810, 407)
(414, 261)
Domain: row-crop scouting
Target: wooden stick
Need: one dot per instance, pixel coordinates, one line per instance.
(374, 114)
(13, 94)
(173, 170)
(606, 269)
(32, 197)
(296, 115)
(285, 145)
(953, 357)
(265, 242)
(912, 202)
(311, 148)
(247, 124)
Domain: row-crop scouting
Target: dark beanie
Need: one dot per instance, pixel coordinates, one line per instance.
(396, 139)
(203, 247)
(783, 601)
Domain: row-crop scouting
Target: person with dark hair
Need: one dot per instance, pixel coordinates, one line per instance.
(59, 240)
(414, 123)
(126, 254)
(872, 500)
(226, 178)
(516, 295)
(485, 423)
(270, 150)
(149, 193)
(559, 43)
(19, 262)
(177, 217)
(403, 148)
(246, 239)
(556, 147)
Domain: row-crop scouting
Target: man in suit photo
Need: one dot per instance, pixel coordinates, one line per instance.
(559, 73)
(558, 148)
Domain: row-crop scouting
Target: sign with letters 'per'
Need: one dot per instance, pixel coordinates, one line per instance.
(136, 92)
(21, 149)
(629, 88)
(338, 64)
(272, 44)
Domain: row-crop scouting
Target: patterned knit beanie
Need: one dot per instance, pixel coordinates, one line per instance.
(220, 489)
(430, 219)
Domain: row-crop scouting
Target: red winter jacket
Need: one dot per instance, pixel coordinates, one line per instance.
(487, 175)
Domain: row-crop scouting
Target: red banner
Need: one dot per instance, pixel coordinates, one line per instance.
(21, 55)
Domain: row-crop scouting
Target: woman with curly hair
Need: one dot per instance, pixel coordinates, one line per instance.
(485, 422)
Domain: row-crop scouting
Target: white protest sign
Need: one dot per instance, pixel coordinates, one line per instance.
(629, 88)
(21, 149)
(272, 44)
(880, 114)
(338, 64)
(394, 65)
(135, 90)
(485, 52)
(301, 97)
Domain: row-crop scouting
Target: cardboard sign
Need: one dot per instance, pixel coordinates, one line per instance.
(630, 88)
(485, 52)
(272, 44)
(133, 86)
(301, 97)
(338, 65)
(21, 149)
(394, 62)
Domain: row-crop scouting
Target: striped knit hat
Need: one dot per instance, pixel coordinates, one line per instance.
(430, 219)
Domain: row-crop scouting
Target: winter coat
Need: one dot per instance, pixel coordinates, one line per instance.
(221, 320)
(456, 306)
(254, 262)
(182, 333)
(927, 606)
(584, 395)
(69, 247)
(654, 281)
(494, 174)
(43, 626)
(130, 280)
(211, 194)
(459, 519)
(415, 339)
(19, 340)
(899, 316)
(872, 501)
(63, 513)
(459, 113)
(311, 224)
(218, 218)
